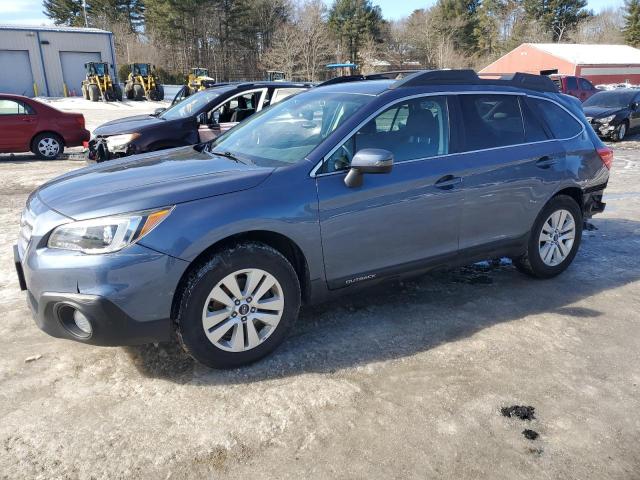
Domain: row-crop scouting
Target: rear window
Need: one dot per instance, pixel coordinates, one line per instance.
(561, 123)
(491, 121)
(533, 128)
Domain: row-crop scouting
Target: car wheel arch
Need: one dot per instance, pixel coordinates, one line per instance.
(283, 244)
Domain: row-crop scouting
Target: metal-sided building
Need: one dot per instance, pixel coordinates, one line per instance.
(598, 63)
(43, 61)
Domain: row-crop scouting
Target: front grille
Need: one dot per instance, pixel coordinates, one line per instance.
(26, 228)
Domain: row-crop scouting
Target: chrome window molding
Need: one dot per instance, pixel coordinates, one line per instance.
(314, 172)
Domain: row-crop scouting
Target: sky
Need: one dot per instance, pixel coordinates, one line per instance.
(29, 12)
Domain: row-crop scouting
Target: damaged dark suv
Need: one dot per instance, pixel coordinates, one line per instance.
(342, 186)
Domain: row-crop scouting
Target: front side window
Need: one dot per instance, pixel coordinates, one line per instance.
(288, 131)
(412, 129)
(191, 105)
(491, 121)
(237, 109)
(560, 122)
(12, 107)
(585, 84)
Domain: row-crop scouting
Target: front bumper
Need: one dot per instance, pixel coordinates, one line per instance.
(127, 296)
(99, 151)
(604, 130)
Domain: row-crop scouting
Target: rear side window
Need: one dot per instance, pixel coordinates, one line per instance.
(572, 83)
(491, 121)
(533, 129)
(560, 122)
(13, 107)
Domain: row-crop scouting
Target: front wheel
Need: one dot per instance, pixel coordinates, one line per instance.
(554, 239)
(620, 132)
(238, 306)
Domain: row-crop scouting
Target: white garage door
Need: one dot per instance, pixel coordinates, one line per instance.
(17, 77)
(73, 69)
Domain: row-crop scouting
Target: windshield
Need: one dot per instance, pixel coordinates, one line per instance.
(286, 132)
(141, 69)
(611, 99)
(100, 69)
(191, 105)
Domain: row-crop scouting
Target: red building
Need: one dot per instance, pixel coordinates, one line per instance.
(598, 63)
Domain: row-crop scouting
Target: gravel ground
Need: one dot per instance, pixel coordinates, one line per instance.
(404, 381)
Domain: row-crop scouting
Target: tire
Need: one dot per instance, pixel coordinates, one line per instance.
(159, 92)
(543, 259)
(138, 92)
(230, 329)
(85, 92)
(47, 146)
(128, 91)
(94, 93)
(620, 132)
(117, 91)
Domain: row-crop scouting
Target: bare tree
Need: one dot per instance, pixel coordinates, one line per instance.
(604, 27)
(315, 45)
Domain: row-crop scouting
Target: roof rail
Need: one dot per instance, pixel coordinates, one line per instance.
(391, 75)
(470, 77)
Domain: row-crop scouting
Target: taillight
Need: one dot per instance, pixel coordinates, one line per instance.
(606, 155)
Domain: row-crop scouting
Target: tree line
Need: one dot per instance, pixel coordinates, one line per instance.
(242, 39)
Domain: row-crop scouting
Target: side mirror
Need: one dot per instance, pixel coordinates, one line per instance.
(216, 117)
(158, 111)
(202, 119)
(368, 160)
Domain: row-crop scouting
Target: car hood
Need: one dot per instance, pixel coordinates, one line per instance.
(128, 125)
(599, 112)
(152, 180)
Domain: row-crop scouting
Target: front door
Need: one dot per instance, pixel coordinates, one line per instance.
(233, 111)
(18, 124)
(398, 220)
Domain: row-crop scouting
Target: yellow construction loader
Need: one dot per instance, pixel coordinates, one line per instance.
(142, 82)
(198, 80)
(98, 83)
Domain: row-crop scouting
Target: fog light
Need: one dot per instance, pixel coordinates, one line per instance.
(82, 322)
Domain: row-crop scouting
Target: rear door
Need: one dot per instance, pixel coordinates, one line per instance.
(398, 220)
(18, 123)
(511, 168)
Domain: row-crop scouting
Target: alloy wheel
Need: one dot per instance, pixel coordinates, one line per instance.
(243, 310)
(557, 237)
(49, 147)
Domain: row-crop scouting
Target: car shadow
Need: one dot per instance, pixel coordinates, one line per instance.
(400, 319)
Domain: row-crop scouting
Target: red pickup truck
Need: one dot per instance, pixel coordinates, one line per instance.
(577, 86)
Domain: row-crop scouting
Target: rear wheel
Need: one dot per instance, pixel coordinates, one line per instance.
(128, 91)
(47, 146)
(554, 239)
(138, 92)
(238, 306)
(117, 92)
(85, 92)
(94, 93)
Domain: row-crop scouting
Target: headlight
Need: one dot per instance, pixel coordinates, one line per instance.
(118, 142)
(606, 119)
(106, 234)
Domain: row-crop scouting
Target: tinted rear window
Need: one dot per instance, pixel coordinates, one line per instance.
(533, 128)
(491, 121)
(560, 122)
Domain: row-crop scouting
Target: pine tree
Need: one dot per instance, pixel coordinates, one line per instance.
(557, 16)
(353, 22)
(632, 23)
(65, 12)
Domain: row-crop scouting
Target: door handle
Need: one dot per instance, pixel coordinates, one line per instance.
(447, 182)
(545, 162)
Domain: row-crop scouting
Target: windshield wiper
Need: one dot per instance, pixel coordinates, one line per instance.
(229, 155)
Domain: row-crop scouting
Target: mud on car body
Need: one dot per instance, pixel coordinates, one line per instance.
(336, 188)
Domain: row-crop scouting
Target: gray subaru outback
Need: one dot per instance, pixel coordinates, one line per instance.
(343, 186)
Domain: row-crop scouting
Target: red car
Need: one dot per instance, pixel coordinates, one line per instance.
(27, 125)
(576, 86)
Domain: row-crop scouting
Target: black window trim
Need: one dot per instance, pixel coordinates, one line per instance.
(314, 171)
